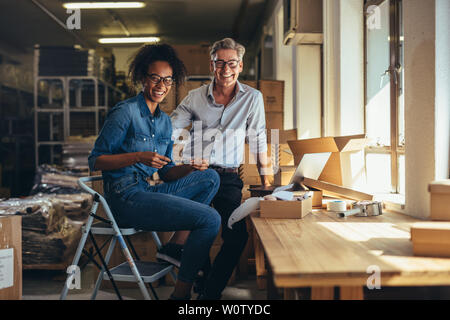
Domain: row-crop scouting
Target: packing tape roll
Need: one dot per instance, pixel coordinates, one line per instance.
(337, 206)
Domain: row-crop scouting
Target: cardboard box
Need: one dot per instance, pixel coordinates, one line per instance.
(333, 190)
(189, 85)
(10, 238)
(285, 209)
(439, 200)
(283, 136)
(286, 157)
(273, 94)
(250, 83)
(170, 101)
(274, 120)
(283, 176)
(196, 58)
(346, 164)
(316, 198)
(431, 239)
(248, 171)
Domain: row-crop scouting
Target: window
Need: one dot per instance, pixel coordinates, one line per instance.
(384, 107)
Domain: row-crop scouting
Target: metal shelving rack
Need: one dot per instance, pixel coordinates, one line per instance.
(65, 97)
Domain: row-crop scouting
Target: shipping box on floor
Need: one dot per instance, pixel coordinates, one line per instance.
(431, 239)
(10, 257)
(279, 209)
(439, 199)
(346, 164)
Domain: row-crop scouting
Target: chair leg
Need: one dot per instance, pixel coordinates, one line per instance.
(137, 259)
(77, 256)
(105, 266)
(100, 275)
(131, 263)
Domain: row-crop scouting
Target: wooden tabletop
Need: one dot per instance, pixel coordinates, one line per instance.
(324, 250)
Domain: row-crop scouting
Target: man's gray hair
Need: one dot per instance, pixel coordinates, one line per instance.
(227, 43)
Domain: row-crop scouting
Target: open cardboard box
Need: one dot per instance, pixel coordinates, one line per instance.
(345, 166)
(280, 209)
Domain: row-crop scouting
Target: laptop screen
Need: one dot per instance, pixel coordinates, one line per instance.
(310, 166)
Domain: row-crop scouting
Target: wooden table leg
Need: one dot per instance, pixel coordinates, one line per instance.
(261, 271)
(322, 293)
(352, 293)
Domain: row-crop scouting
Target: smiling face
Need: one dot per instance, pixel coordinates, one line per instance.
(156, 93)
(226, 76)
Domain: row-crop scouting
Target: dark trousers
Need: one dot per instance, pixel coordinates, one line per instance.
(227, 199)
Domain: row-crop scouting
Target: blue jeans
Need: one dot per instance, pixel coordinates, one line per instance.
(179, 205)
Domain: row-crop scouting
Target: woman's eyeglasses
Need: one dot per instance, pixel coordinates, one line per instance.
(154, 78)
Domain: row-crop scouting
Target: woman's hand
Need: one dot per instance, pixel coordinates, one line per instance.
(152, 159)
(200, 164)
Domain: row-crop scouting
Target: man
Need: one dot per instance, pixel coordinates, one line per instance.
(222, 115)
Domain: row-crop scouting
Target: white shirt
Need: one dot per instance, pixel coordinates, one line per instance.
(218, 133)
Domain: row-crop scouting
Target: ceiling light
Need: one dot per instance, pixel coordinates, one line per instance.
(129, 40)
(103, 5)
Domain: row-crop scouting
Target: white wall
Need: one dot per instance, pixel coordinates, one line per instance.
(331, 67)
(308, 90)
(283, 68)
(426, 99)
(343, 67)
(442, 170)
(352, 67)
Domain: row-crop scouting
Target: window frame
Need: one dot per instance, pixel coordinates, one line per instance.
(395, 149)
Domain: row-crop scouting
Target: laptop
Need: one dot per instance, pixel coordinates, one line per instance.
(311, 166)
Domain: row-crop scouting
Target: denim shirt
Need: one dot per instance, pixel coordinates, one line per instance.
(130, 127)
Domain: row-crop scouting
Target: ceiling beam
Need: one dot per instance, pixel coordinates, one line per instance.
(59, 22)
(119, 21)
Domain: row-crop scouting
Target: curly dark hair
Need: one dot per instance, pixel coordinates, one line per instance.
(150, 53)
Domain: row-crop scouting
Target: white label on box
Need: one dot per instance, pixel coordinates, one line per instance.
(6, 268)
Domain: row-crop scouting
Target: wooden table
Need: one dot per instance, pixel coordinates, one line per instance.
(322, 251)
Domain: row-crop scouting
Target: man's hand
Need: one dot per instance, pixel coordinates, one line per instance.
(152, 159)
(200, 164)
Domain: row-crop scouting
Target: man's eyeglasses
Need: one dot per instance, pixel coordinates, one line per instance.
(221, 63)
(154, 78)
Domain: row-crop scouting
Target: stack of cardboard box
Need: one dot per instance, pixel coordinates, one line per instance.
(195, 57)
(10, 257)
(432, 239)
(273, 95)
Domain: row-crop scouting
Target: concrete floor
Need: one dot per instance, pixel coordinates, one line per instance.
(47, 285)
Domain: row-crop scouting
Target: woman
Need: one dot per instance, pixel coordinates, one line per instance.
(134, 143)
